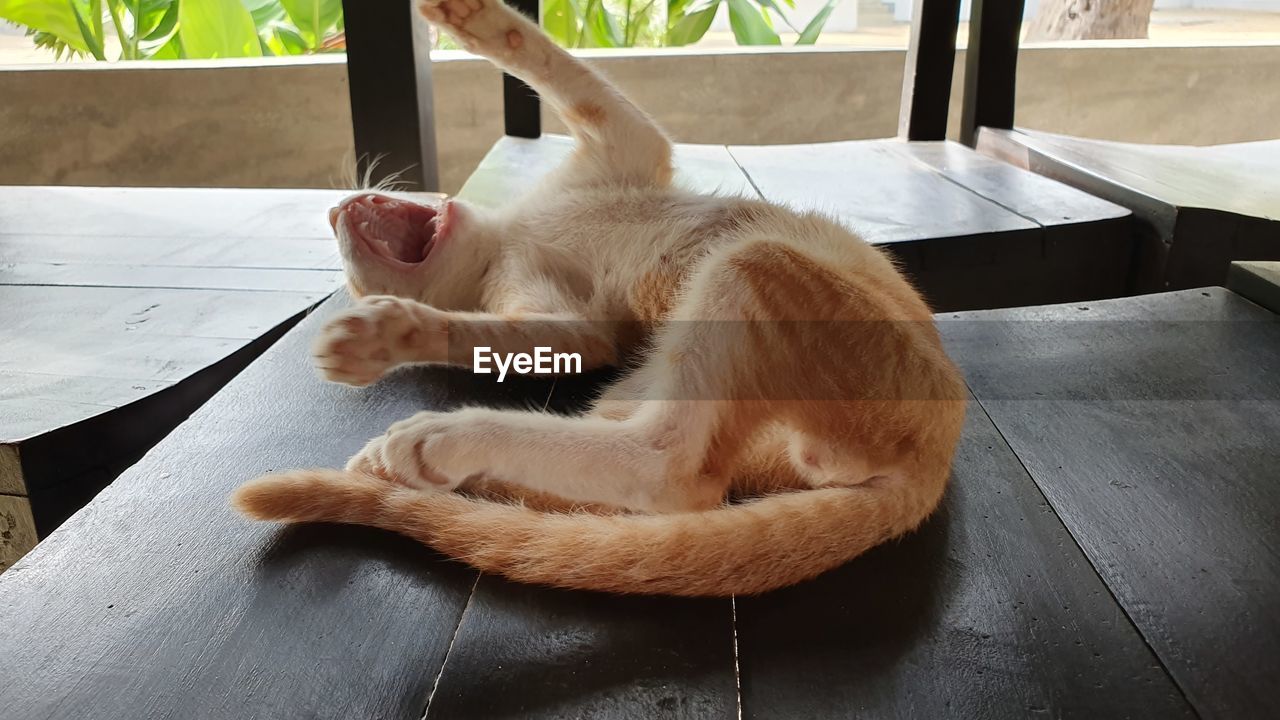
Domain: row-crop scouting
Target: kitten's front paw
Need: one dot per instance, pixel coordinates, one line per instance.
(484, 27)
(402, 455)
(362, 344)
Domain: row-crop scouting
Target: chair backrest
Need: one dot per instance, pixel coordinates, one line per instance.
(389, 71)
(521, 109)
(926, 86)
(389, 78)
(990, 66)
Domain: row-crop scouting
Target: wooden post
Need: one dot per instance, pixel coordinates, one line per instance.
(926, 82)
(392, 107)
(521, 109)
(990, 67)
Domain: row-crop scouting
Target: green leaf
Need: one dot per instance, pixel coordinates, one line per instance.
(163, 48)
(314, 18)
(771, 5)
(265, 12)
(814, 28)
(676, 11)
(217, 29)
(91, 29)
(286, 40)
(54, 17)
(560, 22)
(690, 28)
(165, 26)
(749, 28)
(148, 14)
(600, 28)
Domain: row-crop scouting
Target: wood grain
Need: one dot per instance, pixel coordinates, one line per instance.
(525, 651)
(158, 601)
(126, 308)
(868, 186)
(969, 231)
(989, 610)
(184, 213)
(1196, 208)
(1150, 424)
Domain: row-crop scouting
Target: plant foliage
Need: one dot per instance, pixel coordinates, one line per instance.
(173, 29)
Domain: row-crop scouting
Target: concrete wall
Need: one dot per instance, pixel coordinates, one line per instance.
(288, 124)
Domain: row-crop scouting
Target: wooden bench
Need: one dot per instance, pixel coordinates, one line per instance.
(1196, 209)
(1105, 549)
(125, 309)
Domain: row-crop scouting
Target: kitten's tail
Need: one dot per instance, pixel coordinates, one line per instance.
(733, 550)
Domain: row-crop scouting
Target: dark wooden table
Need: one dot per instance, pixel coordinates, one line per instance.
(122, 310)
(1108, 548)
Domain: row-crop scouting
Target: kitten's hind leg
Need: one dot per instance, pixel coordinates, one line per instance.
(617, 142)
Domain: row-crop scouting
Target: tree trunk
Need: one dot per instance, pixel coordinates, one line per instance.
(1090, 20)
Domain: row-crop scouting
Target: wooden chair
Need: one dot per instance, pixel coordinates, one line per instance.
(1196, 208)
(972, 232)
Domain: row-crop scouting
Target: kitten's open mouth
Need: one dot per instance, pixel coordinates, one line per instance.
(400, 232)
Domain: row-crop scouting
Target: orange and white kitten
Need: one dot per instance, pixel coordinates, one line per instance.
(791, 407)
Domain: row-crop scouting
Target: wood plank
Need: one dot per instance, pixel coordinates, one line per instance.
(1239, 180)
(989, 610)
(1037, 198)
(86, 389)
(172, 252)
(868, 186)
(1196, 209)
(166, 212)
(149, 361)
(82, 447)
(515, 165)
(968, 231)
(208, 615)
(1154, 220)
(1150, 424)
(113, 335)
(1086, 247)
(27, 416)
(525, 651)
(153, 276)
(146, 311)
(1257, 281)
